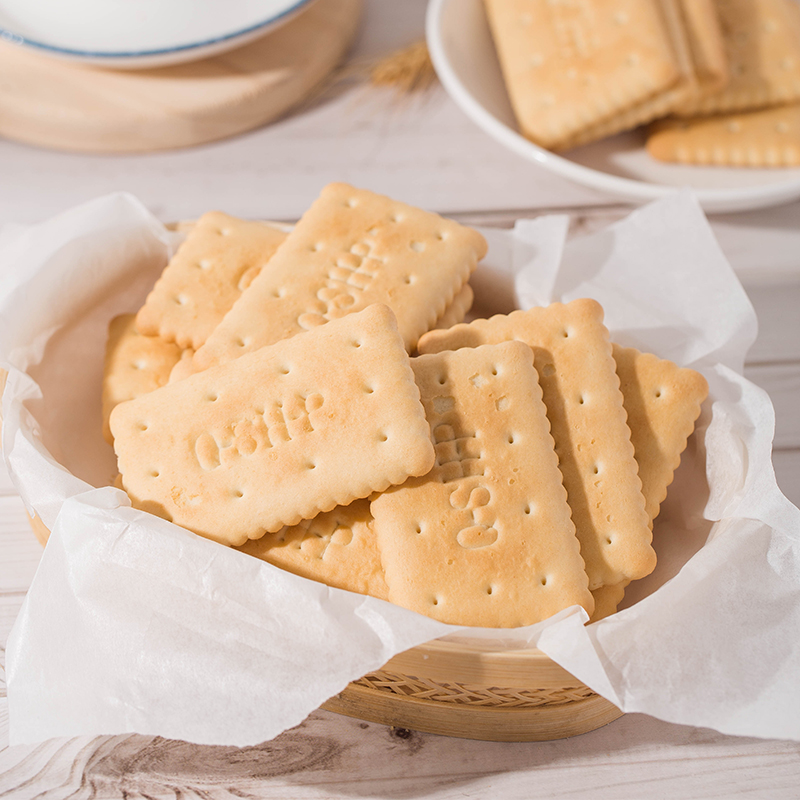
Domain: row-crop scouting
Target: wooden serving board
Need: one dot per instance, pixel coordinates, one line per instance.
(54, 103)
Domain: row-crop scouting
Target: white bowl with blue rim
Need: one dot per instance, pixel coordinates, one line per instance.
(140, 34)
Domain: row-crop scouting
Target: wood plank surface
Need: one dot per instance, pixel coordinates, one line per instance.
(424, 151)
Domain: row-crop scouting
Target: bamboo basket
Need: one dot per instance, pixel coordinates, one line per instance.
(469, 690)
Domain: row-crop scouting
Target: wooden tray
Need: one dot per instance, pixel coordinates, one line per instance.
(53, 103)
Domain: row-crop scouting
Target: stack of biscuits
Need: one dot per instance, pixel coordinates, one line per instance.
(314, 399)
(718, 79)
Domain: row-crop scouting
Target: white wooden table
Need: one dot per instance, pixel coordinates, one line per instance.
(423, 151)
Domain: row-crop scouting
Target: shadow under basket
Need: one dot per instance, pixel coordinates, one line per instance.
(470, 690)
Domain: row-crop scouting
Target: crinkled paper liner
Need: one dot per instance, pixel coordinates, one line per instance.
(133, 624)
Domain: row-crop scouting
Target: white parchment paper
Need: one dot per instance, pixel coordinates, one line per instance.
(133, 624)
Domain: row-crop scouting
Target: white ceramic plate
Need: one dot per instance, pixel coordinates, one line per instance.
(138, 34)
(465, 59)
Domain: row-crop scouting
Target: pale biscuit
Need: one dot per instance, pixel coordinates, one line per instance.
(696, 36)
(134, 365)
(767, 138)
(183, 369)
(350, 249)
(570, 66)
(572, 354)
(486, 537)
(458, 309)
(762, 43)
(607, 599)
(337, 547)
(662, 401)
(217, 261)
(279, 435)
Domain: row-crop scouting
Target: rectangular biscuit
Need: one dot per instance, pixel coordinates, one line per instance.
(570, 66)
(279, 435)
(486, 537)
(766, 138)
(350, 249)
(572, 354)
(458, 309)
(337, 547)
(662, 402)
(134, 365)
(762, 45)
(217, 261)
(696, 36)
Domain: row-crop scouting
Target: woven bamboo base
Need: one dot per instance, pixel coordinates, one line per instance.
(476, 692)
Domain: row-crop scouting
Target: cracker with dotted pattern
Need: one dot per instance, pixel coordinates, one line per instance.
(458, 309)
(279, 435)
(572, 354)
(217, 261)
(350, 249)
(662, 401)
(570, 66)
(766, 138)
(486, 537)
(134, 365)
(762, 45)
(337, 547)
(696, 36)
